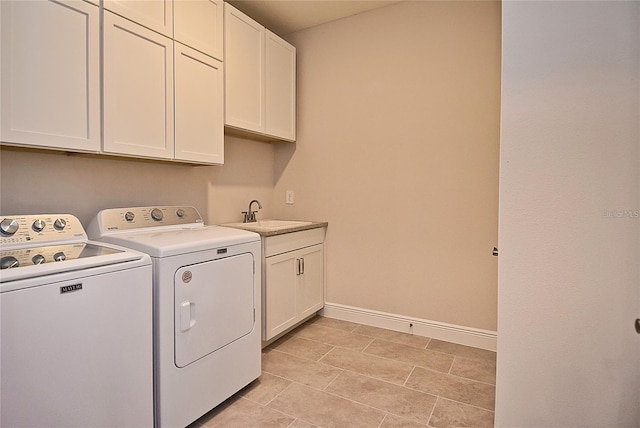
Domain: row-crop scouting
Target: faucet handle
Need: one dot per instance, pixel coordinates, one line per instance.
(245, 217)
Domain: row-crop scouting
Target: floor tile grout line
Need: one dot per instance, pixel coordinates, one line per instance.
(433, 409)
(404, 384)
(451, 399)
(467, 404)
(363, 351)
(457, 376)
(373, 338)
(400, 361)
(336, 396)
(414, 366)
(383, 419)
(438, 399)
(266, 405)
(380, 380)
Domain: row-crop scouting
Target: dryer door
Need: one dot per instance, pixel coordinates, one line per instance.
(214, 305)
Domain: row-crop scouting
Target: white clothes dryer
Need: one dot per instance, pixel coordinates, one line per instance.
(76, 322)
(207, 305)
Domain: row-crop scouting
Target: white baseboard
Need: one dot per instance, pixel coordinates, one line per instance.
(478, 338)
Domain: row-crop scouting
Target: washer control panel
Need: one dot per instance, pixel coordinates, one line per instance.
(141, 217)
(24, 230)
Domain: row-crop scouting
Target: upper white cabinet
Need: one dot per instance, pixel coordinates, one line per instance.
(50, 77)
(244, 81)
(138, 90)
(198, 24)
(154, 14)
(260, 78)
(161, 95)
(163, 99)
(280, 87)
(199, 107)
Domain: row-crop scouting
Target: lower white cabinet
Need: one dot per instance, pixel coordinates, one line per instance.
(293, 286)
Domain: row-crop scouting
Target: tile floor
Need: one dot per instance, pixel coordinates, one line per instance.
(332, 373)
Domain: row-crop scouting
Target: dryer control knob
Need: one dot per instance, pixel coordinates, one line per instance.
(38, 225)
(8, 226)
(59, 256)
(38, 259)
(156, 214)
(129, 216)
(8, 262)
(59, 224)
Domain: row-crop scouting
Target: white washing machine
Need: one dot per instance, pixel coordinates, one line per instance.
(207, 305)
(76, 327)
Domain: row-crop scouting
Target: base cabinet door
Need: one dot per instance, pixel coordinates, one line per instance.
(309, 291)
(293, 288)
(50, 78)
(280, 294)
(138, 90)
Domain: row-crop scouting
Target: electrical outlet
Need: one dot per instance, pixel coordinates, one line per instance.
(288, 197)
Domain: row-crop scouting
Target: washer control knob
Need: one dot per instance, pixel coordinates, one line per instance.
(156, 214)
(38, 225)
(180, 213)
(38, 259)
(129, 216)
(59, 256)
(8, 262)
(8, 226)
(60, 224)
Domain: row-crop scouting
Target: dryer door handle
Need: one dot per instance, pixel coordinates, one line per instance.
(187, 315)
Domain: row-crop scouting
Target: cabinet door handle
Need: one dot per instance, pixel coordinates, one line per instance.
(298, 267)
(302, 265)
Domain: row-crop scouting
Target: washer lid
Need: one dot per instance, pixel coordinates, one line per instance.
(35, 262)
(171, 242)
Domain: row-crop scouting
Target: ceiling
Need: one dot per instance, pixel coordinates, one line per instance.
(286, 16)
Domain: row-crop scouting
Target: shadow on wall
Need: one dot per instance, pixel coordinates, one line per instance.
(38, 181)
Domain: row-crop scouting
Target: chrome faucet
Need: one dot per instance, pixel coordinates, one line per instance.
(249, 215)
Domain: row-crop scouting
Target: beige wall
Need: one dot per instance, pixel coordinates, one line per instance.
(398, 139)
(398, 117)
(50, 182)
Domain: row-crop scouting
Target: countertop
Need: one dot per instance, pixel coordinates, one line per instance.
(267, 231)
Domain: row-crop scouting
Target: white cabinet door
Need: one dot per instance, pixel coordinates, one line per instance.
(293, 288)
(154, 14)
(279, 294)
(138, 90)
(199, 24)
(244, 77)
(309, 290)
(199, 107)
(50, 84)
(280, 87)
